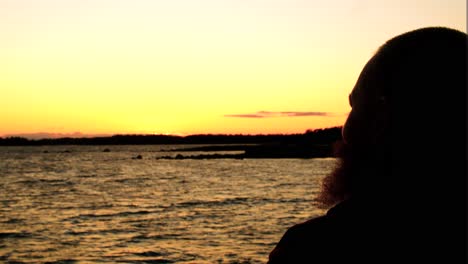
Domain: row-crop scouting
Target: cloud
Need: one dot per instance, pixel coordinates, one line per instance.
(246, 115)
(268, 114)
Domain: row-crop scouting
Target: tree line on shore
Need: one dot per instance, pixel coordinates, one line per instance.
(324, 136)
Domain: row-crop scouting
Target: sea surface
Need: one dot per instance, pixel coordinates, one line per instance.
(99, 204)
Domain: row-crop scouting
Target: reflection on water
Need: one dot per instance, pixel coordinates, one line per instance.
(86, 205)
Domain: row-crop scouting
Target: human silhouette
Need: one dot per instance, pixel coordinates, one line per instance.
(398, 192)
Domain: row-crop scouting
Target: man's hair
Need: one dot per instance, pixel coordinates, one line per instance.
(422, 56)
(421, 75)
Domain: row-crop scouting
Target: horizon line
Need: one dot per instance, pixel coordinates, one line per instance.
(80, 135)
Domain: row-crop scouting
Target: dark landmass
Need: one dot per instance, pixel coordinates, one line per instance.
(311, 144)
(211, 148)
(266, 151)
(318, 136)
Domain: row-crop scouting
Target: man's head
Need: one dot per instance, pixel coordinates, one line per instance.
(408, 101)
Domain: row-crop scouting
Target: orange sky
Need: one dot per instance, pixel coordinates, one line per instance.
(185, 67)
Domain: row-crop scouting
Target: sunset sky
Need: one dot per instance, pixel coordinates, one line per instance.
(193, 66)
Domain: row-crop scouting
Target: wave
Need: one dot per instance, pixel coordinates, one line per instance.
(13, 234)
(210, 203)
(239, 200)
(119, 214)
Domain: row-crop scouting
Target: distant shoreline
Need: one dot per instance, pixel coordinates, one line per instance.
(312, 144)
(318, 136)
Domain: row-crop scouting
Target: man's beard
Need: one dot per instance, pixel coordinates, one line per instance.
(360, 170)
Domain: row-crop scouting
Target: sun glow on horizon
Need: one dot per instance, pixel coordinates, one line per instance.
(182, 67)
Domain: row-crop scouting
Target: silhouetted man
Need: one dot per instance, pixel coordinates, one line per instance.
(399, 190)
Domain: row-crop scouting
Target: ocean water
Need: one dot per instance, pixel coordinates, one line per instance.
(78, 204)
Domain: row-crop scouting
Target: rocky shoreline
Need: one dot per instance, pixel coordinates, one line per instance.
(256, 152)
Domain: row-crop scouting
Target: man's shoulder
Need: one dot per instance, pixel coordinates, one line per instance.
(337, 219)
(301, 240)
(315, 239)
(312, 226)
